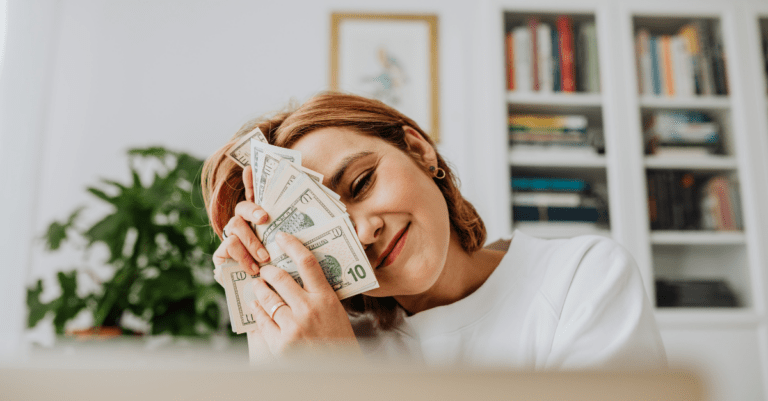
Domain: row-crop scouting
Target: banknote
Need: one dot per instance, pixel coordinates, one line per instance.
(241, 152)
(240, 296)
(265, 158)
(339, 253)
(305, 207)
(287, 175)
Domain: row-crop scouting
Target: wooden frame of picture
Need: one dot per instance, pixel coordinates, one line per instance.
(392, 58)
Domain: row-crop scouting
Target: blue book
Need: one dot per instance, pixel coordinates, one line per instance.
(655, 77)
(549, 184)
(558, 214)
(555, 61)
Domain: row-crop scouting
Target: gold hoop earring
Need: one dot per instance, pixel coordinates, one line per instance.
(439, 173)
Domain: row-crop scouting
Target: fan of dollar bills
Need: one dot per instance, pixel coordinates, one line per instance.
(299, 204)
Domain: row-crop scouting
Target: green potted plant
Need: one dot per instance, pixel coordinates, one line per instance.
(159, 246)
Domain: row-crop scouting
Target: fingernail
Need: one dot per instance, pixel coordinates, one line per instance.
(281, 236)
(260, 216)
(263, 255)
(255, 269)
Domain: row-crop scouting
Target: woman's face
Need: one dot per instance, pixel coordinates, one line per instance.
(399, 213)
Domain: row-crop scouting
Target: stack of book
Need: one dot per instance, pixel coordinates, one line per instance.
(681, 201)
(546, 199)
(686, 64)
(553, 131)
(694, 293)
(559, 58)
(681, 133)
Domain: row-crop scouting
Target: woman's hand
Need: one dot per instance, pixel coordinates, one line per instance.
(241, 243)
(291, 315)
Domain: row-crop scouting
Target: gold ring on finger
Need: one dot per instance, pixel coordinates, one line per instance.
(275, 308)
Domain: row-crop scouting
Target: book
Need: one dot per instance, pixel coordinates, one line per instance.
(591, 76)
(684, 127)
(668, 76)
(533, 24)
(546, 199)
(718, 60)
(643, 58)
(682, 67)
(694, 293)
(565, 35)
(549, 184)
(556, 68)
(541, 122)
(559, 214)
(510, 44)
(677, 151)
(544, 43)
(655, 73)
(523, 66)
(705, 58)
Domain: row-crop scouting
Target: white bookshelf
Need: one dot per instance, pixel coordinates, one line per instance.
(738, 257)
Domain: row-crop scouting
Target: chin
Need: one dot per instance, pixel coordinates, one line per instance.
(415, 284)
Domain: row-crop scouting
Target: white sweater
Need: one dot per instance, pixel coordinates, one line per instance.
(550, 304)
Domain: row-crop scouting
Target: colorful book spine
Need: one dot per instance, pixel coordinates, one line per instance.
(544, 42)
(592, 75)
(644, 72)
(533, 24)
(556, 65)
(655, 73)
(557, 214)
(669, 76)
(523, 66)
(510, 42)
(565, 35)
(682, 67)
(547, 122)
(549, 184)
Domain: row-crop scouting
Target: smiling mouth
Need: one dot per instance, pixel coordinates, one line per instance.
(394, 249)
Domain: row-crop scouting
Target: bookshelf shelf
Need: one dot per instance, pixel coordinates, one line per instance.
(707, 317)
(715, 163)
(575, 99)
(692, 102)
(697, 238)
(560, 158)
(554, 230)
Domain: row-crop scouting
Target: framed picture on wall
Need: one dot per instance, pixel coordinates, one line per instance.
(389, 57)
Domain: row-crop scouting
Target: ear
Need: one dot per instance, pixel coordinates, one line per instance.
(420, 147)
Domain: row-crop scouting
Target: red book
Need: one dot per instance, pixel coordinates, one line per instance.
(533, 24)
(565, 41)
(510, 42)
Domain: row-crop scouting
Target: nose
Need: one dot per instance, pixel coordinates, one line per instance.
(368, 228)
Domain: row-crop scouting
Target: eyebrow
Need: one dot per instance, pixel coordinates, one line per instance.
(348, 161)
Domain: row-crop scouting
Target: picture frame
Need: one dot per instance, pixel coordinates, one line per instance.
(392, 58)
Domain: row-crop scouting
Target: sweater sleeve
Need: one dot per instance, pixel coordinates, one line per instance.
(605, 318)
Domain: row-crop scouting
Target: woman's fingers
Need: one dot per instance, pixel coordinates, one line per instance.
(284, 284)
(248, 181)
(309, 268)
(233, 248)
(238, 227)
(269, 300)
(266, 326)
(251, 212)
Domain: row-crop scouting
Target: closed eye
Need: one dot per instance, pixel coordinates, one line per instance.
(362, 184)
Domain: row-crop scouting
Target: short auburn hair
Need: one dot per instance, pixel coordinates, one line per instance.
(223, 186)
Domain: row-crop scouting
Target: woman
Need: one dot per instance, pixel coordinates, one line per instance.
(443, 297)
